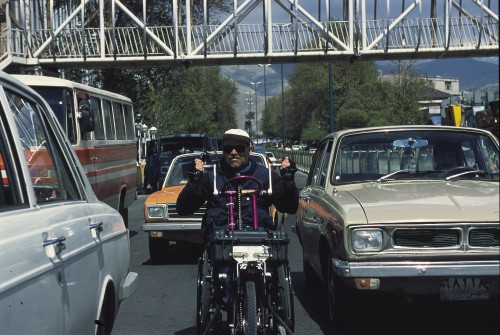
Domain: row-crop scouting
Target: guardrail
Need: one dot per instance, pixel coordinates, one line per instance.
(303, 158)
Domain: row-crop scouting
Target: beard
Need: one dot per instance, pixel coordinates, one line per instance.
(236, 162)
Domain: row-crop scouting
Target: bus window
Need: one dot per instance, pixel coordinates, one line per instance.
(98, 119)
(108, 120)
(61, 102)
(129, 121)
(120, 126)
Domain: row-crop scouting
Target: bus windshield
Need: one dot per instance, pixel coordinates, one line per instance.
(60, 101)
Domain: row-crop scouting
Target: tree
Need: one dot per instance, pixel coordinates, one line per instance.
(312, 132)
(186, 106)
(307, 97)
(408, 89)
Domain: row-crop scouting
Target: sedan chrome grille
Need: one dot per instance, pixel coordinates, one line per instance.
(484, 237)
(426, 238)
(478, 237)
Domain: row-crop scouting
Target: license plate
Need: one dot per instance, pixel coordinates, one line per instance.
(464, 288)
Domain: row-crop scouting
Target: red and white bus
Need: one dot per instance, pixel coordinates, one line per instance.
(100, 126)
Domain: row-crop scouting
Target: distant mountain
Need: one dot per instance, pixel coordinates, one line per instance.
(471, 72)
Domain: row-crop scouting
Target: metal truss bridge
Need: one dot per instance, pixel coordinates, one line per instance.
(82, 34)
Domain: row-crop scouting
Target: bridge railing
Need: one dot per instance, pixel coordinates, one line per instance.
(302, 38)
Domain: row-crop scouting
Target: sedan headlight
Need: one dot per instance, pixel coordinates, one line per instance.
(157, 211)
(367, 240)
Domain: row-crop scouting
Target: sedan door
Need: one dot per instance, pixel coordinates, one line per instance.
(311, 199)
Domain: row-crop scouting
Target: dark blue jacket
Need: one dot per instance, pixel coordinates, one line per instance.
(285, 198)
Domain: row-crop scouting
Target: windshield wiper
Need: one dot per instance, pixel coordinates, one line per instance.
(393, 174)
(465, 173)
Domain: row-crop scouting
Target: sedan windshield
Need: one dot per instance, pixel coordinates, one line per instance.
(422, 154)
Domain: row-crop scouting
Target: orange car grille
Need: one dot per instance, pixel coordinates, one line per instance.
(196, 216)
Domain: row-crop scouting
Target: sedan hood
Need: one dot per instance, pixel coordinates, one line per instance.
(464, 201)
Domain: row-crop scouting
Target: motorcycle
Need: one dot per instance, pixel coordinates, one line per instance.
(244, 285)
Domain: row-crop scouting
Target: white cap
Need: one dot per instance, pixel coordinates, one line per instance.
(237, 134)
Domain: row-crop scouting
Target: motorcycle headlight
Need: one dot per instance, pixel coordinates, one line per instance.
(157, 211)
(367, 240)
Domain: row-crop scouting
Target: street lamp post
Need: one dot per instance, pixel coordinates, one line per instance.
(280, 27)
(265, 86)
(249, 108)
(256, 111)
(283, 107)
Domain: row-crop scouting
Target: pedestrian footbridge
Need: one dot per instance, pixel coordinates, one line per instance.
(83, 34)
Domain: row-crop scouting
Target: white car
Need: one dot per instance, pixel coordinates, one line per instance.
(271, 157)
(64, 255)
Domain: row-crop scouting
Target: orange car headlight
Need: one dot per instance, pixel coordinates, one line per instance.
(157, 211)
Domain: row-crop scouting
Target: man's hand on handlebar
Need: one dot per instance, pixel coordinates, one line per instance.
(195, 173)
(198, 165)
(288, 169)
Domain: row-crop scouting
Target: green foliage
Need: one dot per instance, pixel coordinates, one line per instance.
(195, 100)
(312, 133)
(408, 89)
(307, 97)
(361, 98)
(174, 99)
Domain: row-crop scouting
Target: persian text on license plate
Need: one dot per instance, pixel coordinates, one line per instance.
(464, 288)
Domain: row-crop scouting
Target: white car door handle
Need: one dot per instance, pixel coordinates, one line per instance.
(95, 228)
(58, 240)
(54, 246)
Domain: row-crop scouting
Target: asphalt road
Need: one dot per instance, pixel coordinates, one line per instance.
(165, 301)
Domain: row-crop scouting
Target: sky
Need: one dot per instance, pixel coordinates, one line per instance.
(384, 9)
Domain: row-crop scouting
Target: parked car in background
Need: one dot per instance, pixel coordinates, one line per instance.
(272, 158)
(64, 255)
(165, 227)
(377, 213)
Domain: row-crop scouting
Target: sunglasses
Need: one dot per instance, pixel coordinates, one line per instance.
(229, 148)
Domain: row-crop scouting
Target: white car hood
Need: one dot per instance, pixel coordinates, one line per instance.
(454, 201)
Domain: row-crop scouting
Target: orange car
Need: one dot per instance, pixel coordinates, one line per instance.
(164, 225)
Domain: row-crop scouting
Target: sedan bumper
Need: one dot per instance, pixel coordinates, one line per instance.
(415, 269)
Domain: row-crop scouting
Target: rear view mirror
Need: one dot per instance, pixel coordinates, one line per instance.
(410, 143)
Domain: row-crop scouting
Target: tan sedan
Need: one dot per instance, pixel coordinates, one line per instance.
(379, 212)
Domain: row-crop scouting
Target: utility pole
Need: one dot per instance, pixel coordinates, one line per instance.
(256, 111)
(265, 88)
